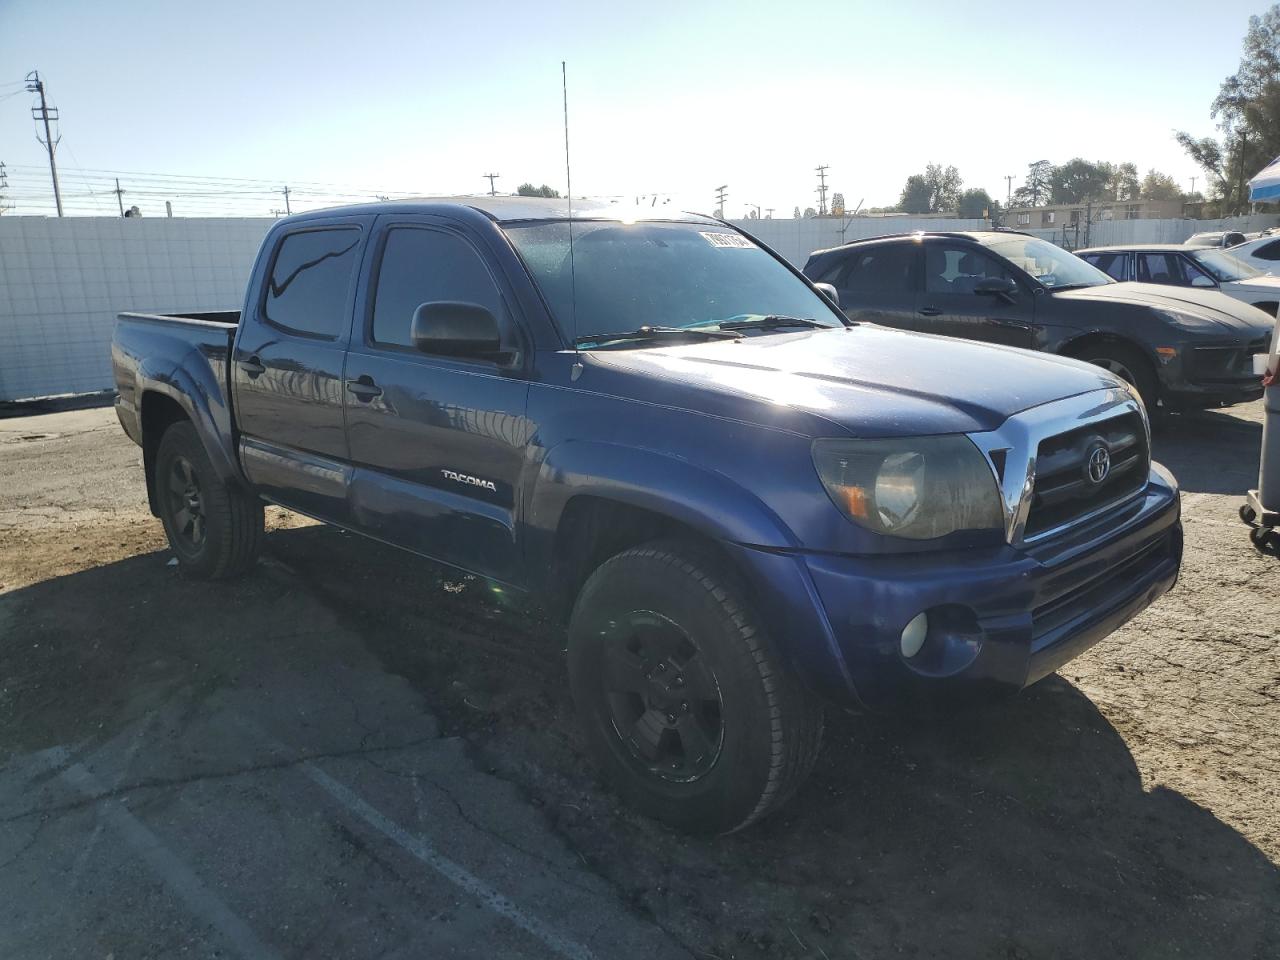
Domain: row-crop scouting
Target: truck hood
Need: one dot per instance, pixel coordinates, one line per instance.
(869, 380)
(1223, 312)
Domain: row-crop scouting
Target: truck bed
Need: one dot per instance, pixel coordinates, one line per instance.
(183, 358)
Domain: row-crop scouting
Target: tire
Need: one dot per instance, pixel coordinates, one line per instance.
(681, 694)
(1128, 364)
(215, 530)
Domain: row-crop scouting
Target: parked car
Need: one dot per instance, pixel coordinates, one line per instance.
(1261, 253)
(1179, 348)
(1180, 265)
(742, 503)
(1216, 238)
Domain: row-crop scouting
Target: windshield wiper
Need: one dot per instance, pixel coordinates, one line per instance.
(772, 322)
(648, 332)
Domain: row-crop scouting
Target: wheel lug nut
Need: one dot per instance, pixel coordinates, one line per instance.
(684, 706)
(662, 668)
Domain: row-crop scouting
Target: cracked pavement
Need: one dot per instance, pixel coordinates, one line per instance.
(355, 753)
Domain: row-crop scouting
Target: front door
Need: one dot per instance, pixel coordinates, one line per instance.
(437, 442)
(287, 368)
(950, 304)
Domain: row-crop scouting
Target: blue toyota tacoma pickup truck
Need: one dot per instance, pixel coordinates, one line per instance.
(743, 504)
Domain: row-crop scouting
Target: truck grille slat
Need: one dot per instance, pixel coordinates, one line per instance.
(1064, 488)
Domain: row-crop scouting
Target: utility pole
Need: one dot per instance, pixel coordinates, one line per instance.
(492, 177)
(46, 113)
(822, 189)
(1008, 189)
(1193, 184)
(768, 213)
(287, 209)
(722, 191)
(4, 185)
(119, 196)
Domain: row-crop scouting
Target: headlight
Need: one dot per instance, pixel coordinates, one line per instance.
(1187, 321)
(918, 487)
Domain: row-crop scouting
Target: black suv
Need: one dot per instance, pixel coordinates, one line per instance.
(1178, 347)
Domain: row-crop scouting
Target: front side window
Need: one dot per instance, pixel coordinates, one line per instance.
(1192, 275)
(624, 276)
(310, 281)
(422, 266)
(881, 269)
(953, 268)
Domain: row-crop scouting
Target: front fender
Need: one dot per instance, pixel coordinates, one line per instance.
(761, 546)
(703, 499)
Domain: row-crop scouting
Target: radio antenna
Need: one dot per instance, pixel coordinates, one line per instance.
(568, 195)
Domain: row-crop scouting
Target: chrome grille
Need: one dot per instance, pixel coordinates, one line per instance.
(1066, 488)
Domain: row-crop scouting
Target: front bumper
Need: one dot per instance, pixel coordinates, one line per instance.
(1006, 616)
(1210, 374)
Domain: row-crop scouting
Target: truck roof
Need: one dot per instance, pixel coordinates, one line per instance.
(978, 236)
(512, 209)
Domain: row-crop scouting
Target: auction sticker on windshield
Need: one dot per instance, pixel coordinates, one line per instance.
(728, 240)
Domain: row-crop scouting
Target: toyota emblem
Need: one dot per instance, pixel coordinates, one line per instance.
(1098, 465)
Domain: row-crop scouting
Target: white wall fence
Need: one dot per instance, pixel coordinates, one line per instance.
(62, 281)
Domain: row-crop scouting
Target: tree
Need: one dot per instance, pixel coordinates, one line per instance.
(916, 195)
(1247, 109)
(935, 191)
(529, 190)
(837, 204)
(810, 213)
(1078, 180)
(1160, 186)
(1035, 189)
(796, 215)
(975, 203)
(1123, 183)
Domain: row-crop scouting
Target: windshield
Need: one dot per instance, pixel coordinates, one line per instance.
(627, 276)
(1047, 262)
(1224, 266)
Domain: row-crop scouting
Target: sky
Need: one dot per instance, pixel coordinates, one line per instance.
(665, 99)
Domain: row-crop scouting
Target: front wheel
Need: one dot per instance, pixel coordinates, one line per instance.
(1129, 365)
(681, 695)
(214, 529)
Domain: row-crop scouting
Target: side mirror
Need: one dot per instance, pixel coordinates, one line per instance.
(832, 294)
(1004, 287)
(451, 329)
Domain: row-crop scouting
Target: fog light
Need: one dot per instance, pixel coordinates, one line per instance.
(913, 635)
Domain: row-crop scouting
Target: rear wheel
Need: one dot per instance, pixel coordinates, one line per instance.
(214, 529)
(680, 693)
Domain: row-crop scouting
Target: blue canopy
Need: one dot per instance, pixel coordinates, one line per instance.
(1266, 185)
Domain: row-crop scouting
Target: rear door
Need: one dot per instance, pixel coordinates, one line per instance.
(879, 283)
(287, 367)
(949, 304)
(437, 442)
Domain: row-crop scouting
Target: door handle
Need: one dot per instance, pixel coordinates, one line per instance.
(364, 388)
(930, 311)
(253, 368)
(1008, 324)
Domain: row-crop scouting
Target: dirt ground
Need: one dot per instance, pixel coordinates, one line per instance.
(357, 753)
